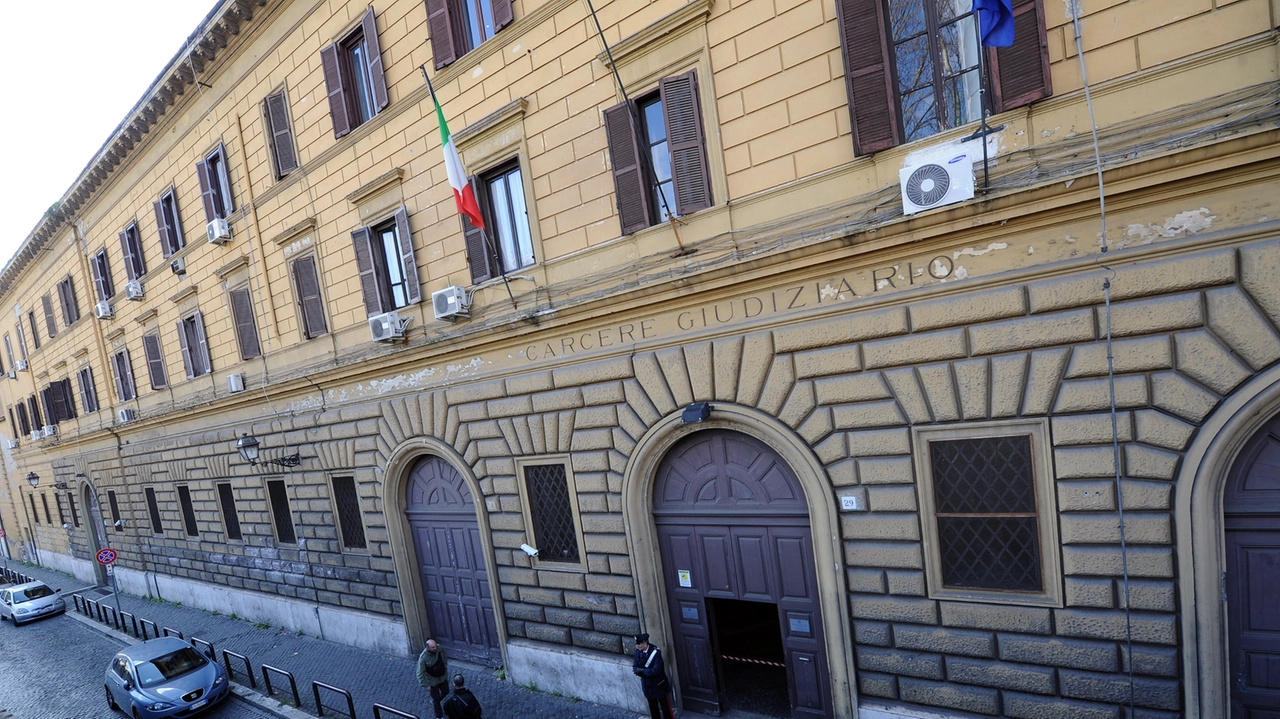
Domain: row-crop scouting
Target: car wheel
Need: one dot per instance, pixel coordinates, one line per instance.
(111, 701)
(135, 713)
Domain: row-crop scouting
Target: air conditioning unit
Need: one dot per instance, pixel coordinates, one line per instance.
(22, 365)
(219, 231)
(387, 326)
(133, 290)
(13, 374)
(103, 310)
(935, 184)
(11, 443)
(179, 266)
(49, 430)
(235, 383)
(451, 303)
(128, 414)
(36, 436)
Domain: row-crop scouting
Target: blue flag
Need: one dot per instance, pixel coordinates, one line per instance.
(995, 22)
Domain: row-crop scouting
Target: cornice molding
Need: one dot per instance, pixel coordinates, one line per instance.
(183, 294)
(394, 176)
(503, 115)
(232, 266)
(694, 11)
(294, 232)
(142, 318)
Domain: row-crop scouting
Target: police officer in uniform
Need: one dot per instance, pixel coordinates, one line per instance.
(647, 665)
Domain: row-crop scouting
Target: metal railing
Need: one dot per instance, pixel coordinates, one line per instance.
(173, 632)
(379, 708)
(211, 652)
(267, 671)
(248, 668)
(317, 686)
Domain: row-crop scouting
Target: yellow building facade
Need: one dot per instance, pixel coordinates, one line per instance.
(737, 360)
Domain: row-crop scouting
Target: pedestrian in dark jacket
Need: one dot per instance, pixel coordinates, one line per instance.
(461, 704)
(653, 678)
(433, 674)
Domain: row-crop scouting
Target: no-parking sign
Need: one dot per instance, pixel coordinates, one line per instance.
(106, 556)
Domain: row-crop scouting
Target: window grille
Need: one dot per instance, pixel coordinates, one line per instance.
(347, 501)
(35, 514)
(550, 510)
(986, 510)
(62, 513)
(71, 503)
(227, 499)
(188, 511)
(280, 514)
(115, 506)
(154, 509)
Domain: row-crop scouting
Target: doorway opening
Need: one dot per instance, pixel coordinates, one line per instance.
(751, 659)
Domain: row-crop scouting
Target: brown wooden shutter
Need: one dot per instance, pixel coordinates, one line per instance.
(445, 39)
(869, 74)
(118, 375)
(310, 303)
(162, 226)
(24, 422)
(1021, 72)
(246, 328)
(185, 346)
(155, 360)
(413, 288)
(628, 173)
(206, 190)
(683, 110)
(88, 393)
(67, 291)
(50, 323)
(35, 330)
(502, 14)
(36, 420)
(64, 303)
(50, 409)
(99, 286)
(338, 111)
(369, 25)
(58, 398)
(126, 371)
(369, 283)
(202, 342)
(277, 111)
(480, 256)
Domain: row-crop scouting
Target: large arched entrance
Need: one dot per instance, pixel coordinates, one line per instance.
(1251, 522)
(451, 567)
(89, 499)
(738, 566)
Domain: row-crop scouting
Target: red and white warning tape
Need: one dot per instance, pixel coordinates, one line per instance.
(753, 661)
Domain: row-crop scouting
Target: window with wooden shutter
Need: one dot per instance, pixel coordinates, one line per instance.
(370, 285)
(168, 222)
(195, 347)
(215, 184)
(688, 147)
(123, 370)
(306, 284)
(386, 263)
(34, 408)
(246, 327)
(35, 330)
(49, 322)
(481, 257)
(8, 349)
(131, 248)
(629, 174)
(102, 283)
(155, 360)
(24, 420)
(354, 77)
(409, 263)
(460, 26)
(88, 392)
(1021, 71)
(22, 340)
(67, 298)
(505, 244)
(280, 133)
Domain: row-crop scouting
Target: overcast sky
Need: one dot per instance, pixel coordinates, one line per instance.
(75, 68)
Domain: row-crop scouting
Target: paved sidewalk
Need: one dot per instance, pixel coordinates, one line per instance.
(369, 676)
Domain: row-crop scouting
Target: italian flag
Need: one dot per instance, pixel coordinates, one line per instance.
(463, 194)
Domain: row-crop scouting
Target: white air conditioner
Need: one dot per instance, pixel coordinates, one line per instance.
(11, 443)
(36, 436)
(133, 290)
(49, 430)
(387, 326)
(22, 365)
(934, 184)
(219, 231)
(128, 414)
(13, 374)
(103, 310)
(179, 266)
(235, 383)
(451, 303)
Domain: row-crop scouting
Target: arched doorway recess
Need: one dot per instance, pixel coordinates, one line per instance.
(737, 554)
(97, 539)
(451, 561)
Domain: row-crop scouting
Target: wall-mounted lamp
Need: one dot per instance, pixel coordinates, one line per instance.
(248, 446)
(33, 479)
(696, 412)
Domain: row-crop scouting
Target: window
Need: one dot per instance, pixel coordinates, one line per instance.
(506, 245)
(135, 265)
(459, 26)
(987, 498)
(347, 501)
(34, 409)
(50, 323)
(59, 404)
(195, 347)
(71, 504)
(246, 327)
(659, 154)
(281, 517)
(88, 391)
(188, 511)
(48, 519)
(22, 340)
(306, 286)
(8, 350)
(169, 223)
(35, 332)
(911, 67)
(388, 271)
(215, 185)
(153, 509)
(280, 133)
(35, 515)
(67, 298)
(551, 513)
(62, 513)
(228, 501)
(24, 422)
(115, 508)
(123, 370)
(102, 283)
(353, 77)
(155, 360)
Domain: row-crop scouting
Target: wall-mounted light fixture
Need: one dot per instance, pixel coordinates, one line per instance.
(696, 412)
(248, 447)
(33, 479)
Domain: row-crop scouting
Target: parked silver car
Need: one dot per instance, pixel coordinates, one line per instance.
(23, 603)
(164, 677)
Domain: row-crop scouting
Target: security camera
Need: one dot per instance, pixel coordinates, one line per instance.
(119, 524)
(532, 552)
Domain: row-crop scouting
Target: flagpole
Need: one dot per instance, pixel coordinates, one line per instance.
(484, 234)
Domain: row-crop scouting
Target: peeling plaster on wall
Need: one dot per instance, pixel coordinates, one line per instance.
(1049, 133)
(1071, 8)
(1189, 222)
(978, 253)
(828, 292)
(417, 380)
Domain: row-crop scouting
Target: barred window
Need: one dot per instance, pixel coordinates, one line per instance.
(347, 501)
(153, 508)
(62, 513)
(551, 513)
(35, 515)
(990, 524)
(227, 499)
(71, 504)
(115, 506)
(280, 514)
(188, 511)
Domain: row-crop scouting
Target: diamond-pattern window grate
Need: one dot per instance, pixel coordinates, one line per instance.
(985, 505)
(227, 499)
(348, 502)
(280, 514)
(551, 512)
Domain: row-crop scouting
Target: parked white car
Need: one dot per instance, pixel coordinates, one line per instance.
(23, 603)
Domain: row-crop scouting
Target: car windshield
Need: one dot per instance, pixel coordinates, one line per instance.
(169, 666)
(31, 593)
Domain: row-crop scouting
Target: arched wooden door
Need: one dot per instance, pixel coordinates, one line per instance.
(451, 567)
(733, 528)
(1251, 506)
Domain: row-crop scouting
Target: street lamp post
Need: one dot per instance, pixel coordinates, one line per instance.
(33, 479)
